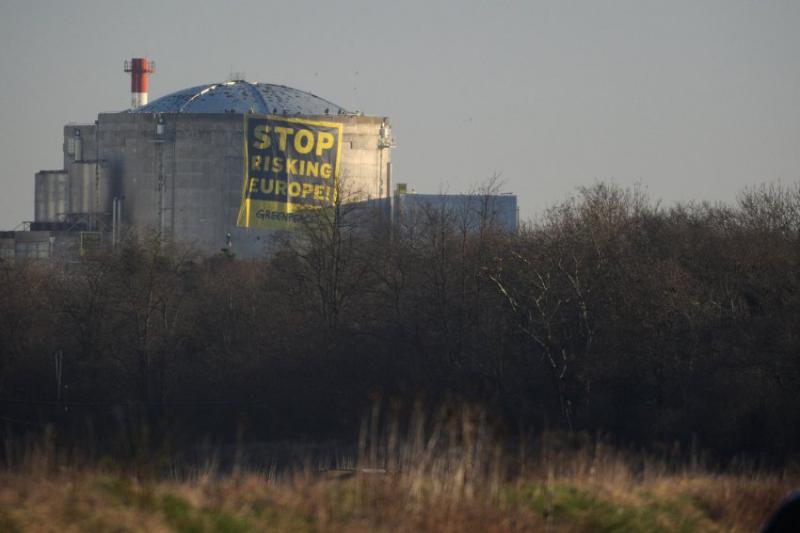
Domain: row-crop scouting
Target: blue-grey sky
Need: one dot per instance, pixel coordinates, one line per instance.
(695, 99)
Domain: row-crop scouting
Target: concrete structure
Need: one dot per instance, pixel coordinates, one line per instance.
(175, 166)
(52, 195)
(26, 244)
(470, 212)
(89, 188)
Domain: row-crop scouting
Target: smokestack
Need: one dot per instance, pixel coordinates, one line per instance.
(140, 69)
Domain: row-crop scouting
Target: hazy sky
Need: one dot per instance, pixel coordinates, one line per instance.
(694, 99)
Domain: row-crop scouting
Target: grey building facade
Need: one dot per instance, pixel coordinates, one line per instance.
(175, 168)
(470, 213)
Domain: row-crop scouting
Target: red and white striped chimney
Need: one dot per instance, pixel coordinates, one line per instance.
(140, 69)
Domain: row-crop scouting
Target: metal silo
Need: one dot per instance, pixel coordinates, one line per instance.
(51, 195)
(89, 187)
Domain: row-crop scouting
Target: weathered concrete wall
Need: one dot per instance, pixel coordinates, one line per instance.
(80, 143)
(366, 156)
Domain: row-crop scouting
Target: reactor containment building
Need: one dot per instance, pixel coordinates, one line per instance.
(213, 166)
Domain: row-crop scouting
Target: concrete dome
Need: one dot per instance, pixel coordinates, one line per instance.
(242, 97)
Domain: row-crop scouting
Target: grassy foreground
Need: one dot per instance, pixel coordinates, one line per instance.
(467, 489)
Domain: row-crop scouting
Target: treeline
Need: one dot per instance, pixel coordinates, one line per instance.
(657, 326)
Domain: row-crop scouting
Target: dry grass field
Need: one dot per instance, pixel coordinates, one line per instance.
(94, 501)
(452, 479)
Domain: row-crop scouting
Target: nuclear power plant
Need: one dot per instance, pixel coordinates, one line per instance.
(216, 166)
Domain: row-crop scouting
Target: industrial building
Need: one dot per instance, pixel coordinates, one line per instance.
(175, 167)
(470, 213)
(178, 168)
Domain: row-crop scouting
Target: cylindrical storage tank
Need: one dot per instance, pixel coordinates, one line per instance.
(59, 196)
(103, 205)
(51, 195)
(81, 177)
(89, 187)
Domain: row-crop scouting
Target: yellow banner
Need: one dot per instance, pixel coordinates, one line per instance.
(291, 166)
